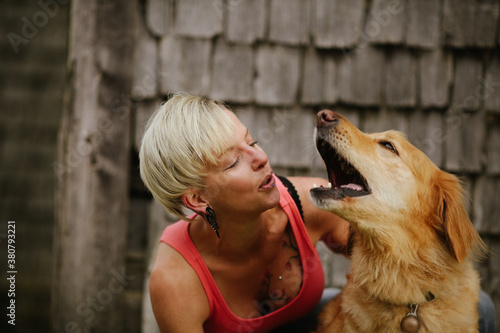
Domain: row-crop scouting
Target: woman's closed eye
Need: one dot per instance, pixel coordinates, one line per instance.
(234, 164)
(237, 160)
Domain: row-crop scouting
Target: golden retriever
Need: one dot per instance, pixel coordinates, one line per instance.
(413, 242)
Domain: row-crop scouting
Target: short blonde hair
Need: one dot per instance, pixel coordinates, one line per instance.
(183, 139)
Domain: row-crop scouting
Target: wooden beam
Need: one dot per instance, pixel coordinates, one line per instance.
(92, 170)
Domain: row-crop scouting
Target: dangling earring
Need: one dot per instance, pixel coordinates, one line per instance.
(210, 217)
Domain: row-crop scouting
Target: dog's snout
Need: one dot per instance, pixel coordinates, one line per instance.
(326, 118)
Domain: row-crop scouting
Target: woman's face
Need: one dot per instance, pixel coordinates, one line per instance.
(243, 180)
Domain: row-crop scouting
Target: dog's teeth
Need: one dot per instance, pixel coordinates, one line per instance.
(329, 185)
(314, 185)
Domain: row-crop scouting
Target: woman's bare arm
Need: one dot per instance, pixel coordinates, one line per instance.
(179, 301)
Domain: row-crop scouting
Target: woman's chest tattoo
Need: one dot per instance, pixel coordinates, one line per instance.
(283, 281)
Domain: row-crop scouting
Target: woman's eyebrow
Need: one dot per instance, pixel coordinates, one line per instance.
(233, 147)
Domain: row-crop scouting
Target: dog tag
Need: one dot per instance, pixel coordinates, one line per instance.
(411, 323)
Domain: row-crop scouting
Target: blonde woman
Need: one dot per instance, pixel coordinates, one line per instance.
(245, 260)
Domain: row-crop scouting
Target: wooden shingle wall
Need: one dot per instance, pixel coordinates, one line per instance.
(429, 68)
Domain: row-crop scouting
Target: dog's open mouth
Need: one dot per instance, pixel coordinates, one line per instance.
(345, 180)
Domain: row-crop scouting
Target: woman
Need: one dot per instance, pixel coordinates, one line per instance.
(246, 260)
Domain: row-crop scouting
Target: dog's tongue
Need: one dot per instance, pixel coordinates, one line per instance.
(352, 186)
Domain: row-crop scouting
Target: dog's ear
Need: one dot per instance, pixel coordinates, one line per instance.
(461, 236)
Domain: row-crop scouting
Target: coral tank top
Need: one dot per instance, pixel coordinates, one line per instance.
(222, 319)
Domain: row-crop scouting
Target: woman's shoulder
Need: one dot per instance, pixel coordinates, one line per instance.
(171, 267)
(172, 280)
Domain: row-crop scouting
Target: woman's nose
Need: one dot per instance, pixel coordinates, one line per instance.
(260, 159)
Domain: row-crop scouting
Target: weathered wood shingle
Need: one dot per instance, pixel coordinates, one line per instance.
(486, 207)
(145, 76)
(360, 76)
(278, 74)
(435, 74)
(337, 23)
(468, 73)
(486, 23)
(424, 23)
(291, 150)
(386, 22)
(330, 81)
(457, 19)
(233, 70)
(401, 85)
(312, 82)
(384, 120)
(184, 65)
(159, 16)
(490, 85)
(465, 133)
(319, 83)
(198, 18)
(493, 146)
(245, 21)
(289, 21)
(470, 23)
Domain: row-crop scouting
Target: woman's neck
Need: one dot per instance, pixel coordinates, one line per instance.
(240, 238)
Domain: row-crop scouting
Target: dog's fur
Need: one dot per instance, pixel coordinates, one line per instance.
(412, 236)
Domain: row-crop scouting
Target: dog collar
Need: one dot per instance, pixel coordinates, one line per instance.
(411, 322)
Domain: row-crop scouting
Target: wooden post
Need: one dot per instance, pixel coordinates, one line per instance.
(92, 169)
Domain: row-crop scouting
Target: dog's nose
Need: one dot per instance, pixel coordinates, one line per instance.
(326, 118)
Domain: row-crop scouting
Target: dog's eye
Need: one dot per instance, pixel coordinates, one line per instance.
(389, 146)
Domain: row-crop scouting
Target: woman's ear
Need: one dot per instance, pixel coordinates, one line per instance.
(193, 200)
